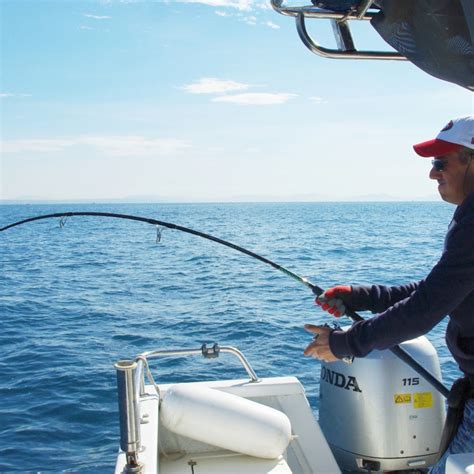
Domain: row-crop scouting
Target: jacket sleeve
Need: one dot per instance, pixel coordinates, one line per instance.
(378, 298)
(446, 286)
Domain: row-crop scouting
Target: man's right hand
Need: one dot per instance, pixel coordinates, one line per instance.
(335, 299)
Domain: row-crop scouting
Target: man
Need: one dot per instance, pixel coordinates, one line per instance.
(408, 311)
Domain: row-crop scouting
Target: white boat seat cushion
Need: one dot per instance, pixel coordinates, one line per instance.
(226, 421)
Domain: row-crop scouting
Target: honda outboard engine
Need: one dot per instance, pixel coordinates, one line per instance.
(379, 414)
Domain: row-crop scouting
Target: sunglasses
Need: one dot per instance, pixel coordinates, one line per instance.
(438, 164)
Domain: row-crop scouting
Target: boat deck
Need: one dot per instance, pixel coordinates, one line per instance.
(165, 452)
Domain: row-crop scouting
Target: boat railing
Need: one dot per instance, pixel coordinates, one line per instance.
(131, 388)
(204, 351)
(346, 48)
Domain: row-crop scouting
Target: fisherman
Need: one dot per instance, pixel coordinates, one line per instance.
(408, 311)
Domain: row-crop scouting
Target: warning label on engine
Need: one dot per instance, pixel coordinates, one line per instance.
(402, 398)
(422, 400)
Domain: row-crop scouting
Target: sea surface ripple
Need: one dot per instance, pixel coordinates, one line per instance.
(75, 300)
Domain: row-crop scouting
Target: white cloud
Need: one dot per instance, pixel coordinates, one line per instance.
(212, 85)
(241, 5)
(222, 87)
(250, 20)
(40, 145)
(128, 145)
(270, 24)
(84, 27)
(97, 17)
(317, 100)
(6, 95)
(264, 6)
(134, 145)
(256, 98)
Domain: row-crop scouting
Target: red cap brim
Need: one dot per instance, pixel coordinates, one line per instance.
(435, 147)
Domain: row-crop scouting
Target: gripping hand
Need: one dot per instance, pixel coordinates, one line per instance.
(335, 299)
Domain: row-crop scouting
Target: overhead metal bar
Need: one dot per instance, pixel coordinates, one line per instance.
(346, 48)
(363, 7)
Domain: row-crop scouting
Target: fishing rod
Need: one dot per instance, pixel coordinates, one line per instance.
(397, 350)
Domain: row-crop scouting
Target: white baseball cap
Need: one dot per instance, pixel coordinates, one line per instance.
(456, 134)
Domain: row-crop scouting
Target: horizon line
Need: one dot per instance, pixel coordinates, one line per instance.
(216, 201)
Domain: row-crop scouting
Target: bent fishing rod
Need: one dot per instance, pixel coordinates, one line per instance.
(397, 350)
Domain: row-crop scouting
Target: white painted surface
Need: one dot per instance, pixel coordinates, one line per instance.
(225, 420)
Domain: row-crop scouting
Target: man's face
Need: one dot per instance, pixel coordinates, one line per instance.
(455, 180)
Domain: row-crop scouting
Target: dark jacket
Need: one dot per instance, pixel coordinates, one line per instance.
(408, 311)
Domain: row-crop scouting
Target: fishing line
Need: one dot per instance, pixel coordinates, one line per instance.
(397, 350)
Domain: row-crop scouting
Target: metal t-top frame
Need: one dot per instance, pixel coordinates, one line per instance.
(339, 20)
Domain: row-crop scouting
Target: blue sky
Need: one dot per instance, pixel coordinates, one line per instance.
(205, 101)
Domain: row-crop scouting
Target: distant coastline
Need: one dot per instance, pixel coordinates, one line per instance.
(222, 200)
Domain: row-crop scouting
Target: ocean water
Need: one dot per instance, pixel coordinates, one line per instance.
(74, 300)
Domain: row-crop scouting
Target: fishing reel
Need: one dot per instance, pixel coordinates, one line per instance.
(334, 325)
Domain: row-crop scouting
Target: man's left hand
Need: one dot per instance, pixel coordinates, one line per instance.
(319, 348)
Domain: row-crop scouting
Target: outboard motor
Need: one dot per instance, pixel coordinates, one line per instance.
(379, 414)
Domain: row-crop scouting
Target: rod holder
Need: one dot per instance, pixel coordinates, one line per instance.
(129, 414)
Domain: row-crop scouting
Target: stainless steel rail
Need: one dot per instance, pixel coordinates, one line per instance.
(310, 11)
(129, 413)
(345, 44)
(208, 353)
(131, 387)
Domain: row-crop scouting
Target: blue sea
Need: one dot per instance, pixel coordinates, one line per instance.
(76, 299)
